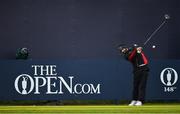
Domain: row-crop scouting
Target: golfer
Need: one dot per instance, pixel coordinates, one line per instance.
(140, 70)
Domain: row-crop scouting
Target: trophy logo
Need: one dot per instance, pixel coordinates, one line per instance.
(166, 76)
(169, 77)
(25, 78)
(24, 85)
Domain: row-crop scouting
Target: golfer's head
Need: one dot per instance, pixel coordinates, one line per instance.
(124, 50)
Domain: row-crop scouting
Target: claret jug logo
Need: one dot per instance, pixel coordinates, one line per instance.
(24, 79)
(169, 78)
(45, 80)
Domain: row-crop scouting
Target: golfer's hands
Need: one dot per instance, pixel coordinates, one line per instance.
(139, 49)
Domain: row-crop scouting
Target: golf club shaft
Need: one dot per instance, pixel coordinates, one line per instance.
(154, 33)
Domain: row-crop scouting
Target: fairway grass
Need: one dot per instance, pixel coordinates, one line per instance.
(147, 109)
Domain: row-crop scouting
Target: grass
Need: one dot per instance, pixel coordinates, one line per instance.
(146, 109)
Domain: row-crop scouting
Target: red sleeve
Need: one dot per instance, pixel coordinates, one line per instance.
(144, 58)
(132, 54)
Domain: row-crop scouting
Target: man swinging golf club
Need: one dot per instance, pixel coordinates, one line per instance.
(140, 65)
(140, 70)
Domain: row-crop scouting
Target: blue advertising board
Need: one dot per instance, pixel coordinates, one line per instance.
(84, 79)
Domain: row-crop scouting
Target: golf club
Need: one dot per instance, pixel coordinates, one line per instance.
(166, 18)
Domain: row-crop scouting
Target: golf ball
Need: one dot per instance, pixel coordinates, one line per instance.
(153, 46)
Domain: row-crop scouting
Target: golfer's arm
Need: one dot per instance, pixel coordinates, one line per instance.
(132, 54)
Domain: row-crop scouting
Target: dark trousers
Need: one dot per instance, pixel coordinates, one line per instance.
(139, 85)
